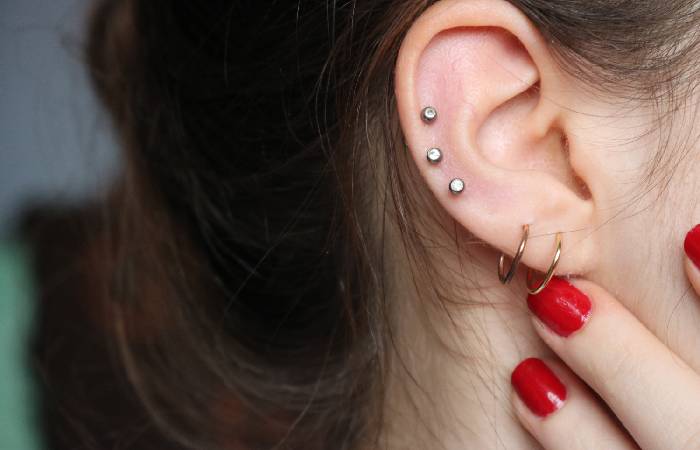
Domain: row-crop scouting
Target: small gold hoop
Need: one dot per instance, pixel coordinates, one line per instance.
(506, 277)
(550, 272)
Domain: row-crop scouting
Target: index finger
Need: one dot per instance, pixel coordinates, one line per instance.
(649, 388)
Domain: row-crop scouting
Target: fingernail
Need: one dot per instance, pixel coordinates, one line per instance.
(692, 245)
(560, 306)
(538, 387)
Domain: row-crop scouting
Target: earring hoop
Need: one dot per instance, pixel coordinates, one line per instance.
(505, 278)
(550, 272)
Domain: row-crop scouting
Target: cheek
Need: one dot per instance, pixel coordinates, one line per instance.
(613, 149)
(641, 221)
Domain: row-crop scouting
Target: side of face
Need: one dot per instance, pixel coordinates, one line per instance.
(533, 144)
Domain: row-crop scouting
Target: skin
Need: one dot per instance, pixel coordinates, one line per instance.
(449, 382)
(653, 392)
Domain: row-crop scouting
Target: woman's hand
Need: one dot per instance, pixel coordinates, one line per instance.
(619, 387)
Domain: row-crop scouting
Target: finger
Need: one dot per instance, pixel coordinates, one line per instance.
(693, 274)
(650, 389)
(561, 412)
(692, 258)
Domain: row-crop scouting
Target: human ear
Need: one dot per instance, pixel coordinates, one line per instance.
(493, 82)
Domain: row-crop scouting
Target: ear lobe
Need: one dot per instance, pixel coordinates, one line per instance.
(488, 73)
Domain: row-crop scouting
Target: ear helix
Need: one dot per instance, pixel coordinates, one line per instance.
(456, 186)
(434, 154)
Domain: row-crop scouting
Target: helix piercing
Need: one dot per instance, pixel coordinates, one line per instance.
(428, 114)
(456, 186)
(507, 277)
(434, 155)
(550, 272)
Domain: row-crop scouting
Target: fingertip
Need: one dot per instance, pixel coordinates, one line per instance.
(538, 387)
(562, 306)
(579, 412)
(523, 413)
(532, 395)
(529, 420)
(602, 301)
(691, 245)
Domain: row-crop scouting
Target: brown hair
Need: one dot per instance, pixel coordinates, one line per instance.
(262, 158)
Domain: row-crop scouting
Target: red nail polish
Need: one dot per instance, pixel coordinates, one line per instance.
(538, 387)
(560, 306)
(692, 245)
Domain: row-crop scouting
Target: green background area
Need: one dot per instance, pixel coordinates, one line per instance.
(18, 419)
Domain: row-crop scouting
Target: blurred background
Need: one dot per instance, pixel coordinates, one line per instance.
(56, 152)
(55, 145)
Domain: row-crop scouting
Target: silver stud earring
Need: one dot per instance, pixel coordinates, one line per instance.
(456, 186)
(434, 155)
(428, 114)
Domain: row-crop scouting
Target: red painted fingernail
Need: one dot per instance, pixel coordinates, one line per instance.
(538, 387)
(560, 306)
(692, 245)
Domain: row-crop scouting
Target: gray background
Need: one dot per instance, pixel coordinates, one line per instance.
(55, 143)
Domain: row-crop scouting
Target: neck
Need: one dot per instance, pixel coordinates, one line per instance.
(449, 381)
(448, 385)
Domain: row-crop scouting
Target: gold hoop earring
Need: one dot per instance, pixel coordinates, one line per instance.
(506, 277)
(550, 272)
